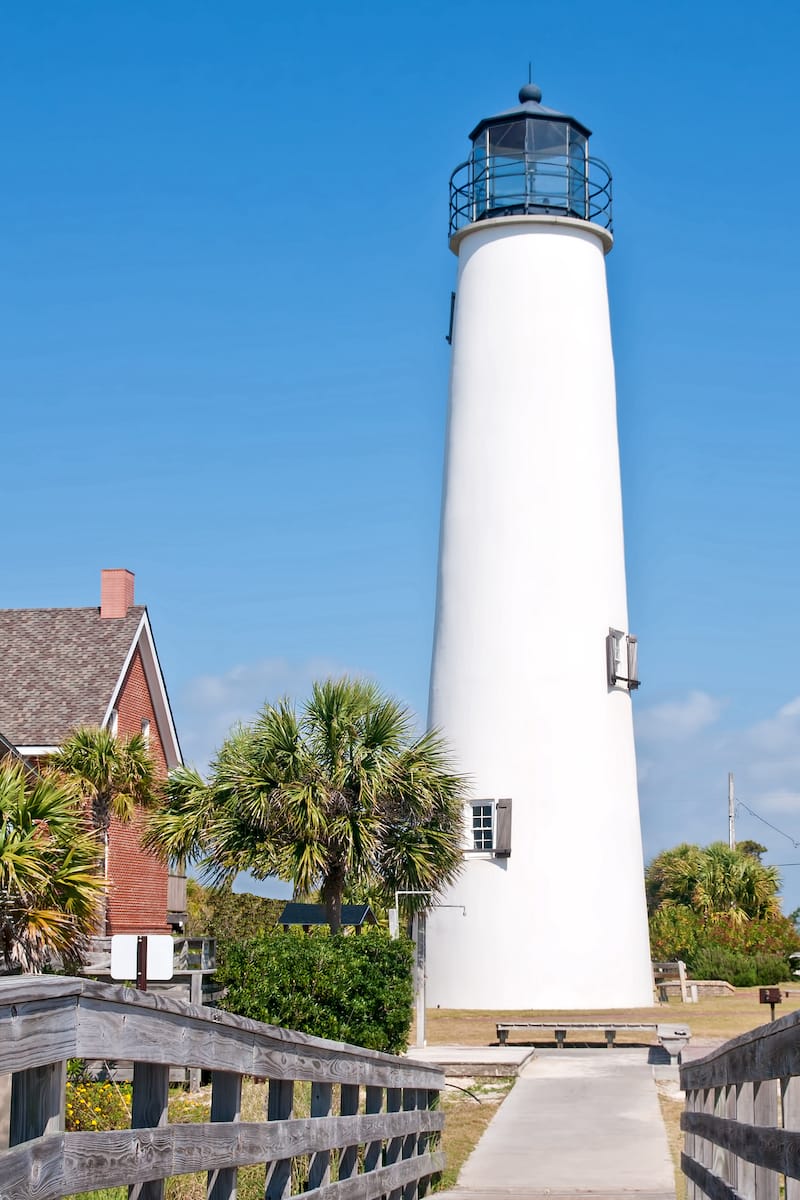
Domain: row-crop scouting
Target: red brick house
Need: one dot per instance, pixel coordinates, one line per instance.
(65, 667)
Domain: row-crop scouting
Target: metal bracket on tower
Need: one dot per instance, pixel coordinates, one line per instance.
(615, 664)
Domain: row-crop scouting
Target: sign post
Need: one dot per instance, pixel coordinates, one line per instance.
(142, 956)
(770, 996)
(141, 962)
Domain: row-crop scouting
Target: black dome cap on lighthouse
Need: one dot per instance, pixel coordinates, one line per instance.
(530, 107)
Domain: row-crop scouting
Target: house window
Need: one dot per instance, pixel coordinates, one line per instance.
(113, 722)
(146, 731)
(482, 826)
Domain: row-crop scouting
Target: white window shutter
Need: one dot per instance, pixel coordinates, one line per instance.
(611, 658)
(633, 663)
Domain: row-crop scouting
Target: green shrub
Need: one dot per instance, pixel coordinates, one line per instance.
(228, 916)
(349, 988)
(746, 953)
(775, 935)
(675, 932)
(740, 969)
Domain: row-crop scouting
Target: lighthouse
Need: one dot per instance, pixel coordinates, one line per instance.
(534, 664)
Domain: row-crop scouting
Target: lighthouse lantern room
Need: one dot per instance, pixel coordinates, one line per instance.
(533, 661)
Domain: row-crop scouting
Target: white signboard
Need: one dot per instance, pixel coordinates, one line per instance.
(160, 948)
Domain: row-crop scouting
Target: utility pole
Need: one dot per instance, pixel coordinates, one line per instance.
(731, 814)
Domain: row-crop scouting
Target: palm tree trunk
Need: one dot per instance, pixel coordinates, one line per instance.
(332, 894)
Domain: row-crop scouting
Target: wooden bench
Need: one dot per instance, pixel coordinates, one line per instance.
(672, 1037)
(665, 973)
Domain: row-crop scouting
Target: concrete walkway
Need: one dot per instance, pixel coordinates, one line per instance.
(460, 1061)
(577, 1124)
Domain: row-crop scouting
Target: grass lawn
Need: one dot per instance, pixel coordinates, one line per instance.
(715, 1017)
(466, 1117)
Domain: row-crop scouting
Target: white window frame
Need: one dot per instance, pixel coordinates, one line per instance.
(483, 833)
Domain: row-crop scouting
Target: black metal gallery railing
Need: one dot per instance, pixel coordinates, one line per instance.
(501, 186)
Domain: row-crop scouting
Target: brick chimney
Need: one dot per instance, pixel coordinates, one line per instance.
(116, 592)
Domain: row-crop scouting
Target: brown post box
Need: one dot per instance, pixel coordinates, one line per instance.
(770, 996)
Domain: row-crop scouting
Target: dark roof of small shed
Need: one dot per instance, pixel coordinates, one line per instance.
(314, 914)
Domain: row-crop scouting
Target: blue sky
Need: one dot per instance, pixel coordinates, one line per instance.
(225, 292)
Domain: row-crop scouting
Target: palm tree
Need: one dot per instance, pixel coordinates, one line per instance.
(115, 776)
(340, 795)
(714, 881)
(50, 888)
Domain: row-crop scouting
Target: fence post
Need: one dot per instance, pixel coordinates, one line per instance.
(790, 1097)
(690, 1143)
(195, 997)
(745, 1115)
(5, 1110)
(394, 1147)
(729, 1111)
(707, 1147)
(348, 1107)
(427, 1141)
(765, 1112)
(410, 1104)
(148, 1111)
(720, 1157)
(319, 1171)
(37, 1102)
(226, 1105)
(372, 1150)
(279, 1108)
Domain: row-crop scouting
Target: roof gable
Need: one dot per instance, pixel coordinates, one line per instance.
(59, 668)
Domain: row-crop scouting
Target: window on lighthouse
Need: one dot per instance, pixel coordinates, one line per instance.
(482, 826)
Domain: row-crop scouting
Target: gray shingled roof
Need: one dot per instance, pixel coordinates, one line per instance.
(58, 668)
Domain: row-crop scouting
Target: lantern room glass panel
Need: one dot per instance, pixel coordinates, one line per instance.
(529, 165)
(546, 167)
(578, 174)
(479, 176)
(506, 166)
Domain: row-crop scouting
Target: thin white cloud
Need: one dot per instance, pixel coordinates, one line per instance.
(676, 720)
(210, 705)
(684, 759)
(781, 801)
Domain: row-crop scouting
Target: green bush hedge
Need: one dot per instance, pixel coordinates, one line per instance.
(742, 970)
(745, 953)
(354, 989)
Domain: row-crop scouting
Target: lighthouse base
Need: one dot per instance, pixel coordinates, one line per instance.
(500, 948)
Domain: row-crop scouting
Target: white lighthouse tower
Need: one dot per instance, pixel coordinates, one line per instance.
(533, 662)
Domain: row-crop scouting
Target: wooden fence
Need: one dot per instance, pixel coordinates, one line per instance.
(742, 1116)
(378, 1114)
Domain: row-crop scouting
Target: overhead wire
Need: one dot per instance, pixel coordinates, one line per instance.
(764, 821)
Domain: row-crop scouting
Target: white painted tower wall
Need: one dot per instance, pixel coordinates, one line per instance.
(531, 578)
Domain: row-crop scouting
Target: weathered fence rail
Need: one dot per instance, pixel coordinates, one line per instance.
(742, 1116)
(378, 1112)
